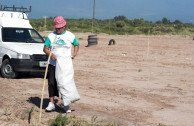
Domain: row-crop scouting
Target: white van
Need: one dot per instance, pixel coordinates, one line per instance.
(21, 46)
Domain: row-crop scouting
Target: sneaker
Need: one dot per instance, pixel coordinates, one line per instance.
(50, 107)
(67, 109)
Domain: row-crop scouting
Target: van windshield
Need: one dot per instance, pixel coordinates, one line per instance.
(22, 35)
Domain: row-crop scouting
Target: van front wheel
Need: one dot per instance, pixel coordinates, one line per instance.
(7, 70)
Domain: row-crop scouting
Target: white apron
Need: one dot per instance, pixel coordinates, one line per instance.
(64, 74)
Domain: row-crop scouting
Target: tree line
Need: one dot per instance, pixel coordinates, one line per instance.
(120, 25)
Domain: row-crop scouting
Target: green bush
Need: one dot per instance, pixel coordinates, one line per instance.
(120, 24)
(60, 121)
(73, 121)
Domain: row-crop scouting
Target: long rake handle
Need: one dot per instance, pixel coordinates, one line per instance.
(46, 71)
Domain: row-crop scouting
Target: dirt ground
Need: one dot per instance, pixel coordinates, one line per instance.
(139, 81)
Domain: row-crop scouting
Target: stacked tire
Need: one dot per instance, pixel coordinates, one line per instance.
(92, 40)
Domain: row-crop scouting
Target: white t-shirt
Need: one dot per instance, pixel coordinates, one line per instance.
(63, 44)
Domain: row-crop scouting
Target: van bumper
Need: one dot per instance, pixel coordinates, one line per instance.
(27, 65)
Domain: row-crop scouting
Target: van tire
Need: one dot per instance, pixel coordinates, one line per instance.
(7, 70)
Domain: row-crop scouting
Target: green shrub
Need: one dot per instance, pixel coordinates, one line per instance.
(73, 121)
(60, 120)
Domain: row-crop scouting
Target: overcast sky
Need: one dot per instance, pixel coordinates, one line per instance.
(150, 10)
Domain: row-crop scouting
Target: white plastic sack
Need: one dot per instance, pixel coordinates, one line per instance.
(64, 74)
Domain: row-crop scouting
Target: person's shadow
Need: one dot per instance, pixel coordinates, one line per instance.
(36, 101)
(30, 76)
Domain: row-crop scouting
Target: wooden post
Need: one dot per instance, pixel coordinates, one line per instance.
(93, 21)
(148, 48)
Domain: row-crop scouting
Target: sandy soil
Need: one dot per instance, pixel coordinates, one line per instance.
(129, 83)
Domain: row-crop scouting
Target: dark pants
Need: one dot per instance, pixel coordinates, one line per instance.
(52, 83)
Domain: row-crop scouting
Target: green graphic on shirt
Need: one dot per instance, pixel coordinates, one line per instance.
(60, 42)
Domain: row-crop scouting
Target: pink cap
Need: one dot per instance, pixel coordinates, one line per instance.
(59, 22)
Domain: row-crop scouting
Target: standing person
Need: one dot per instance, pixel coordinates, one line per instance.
(60, 71)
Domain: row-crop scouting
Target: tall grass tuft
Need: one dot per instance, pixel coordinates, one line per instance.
(60, 120)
